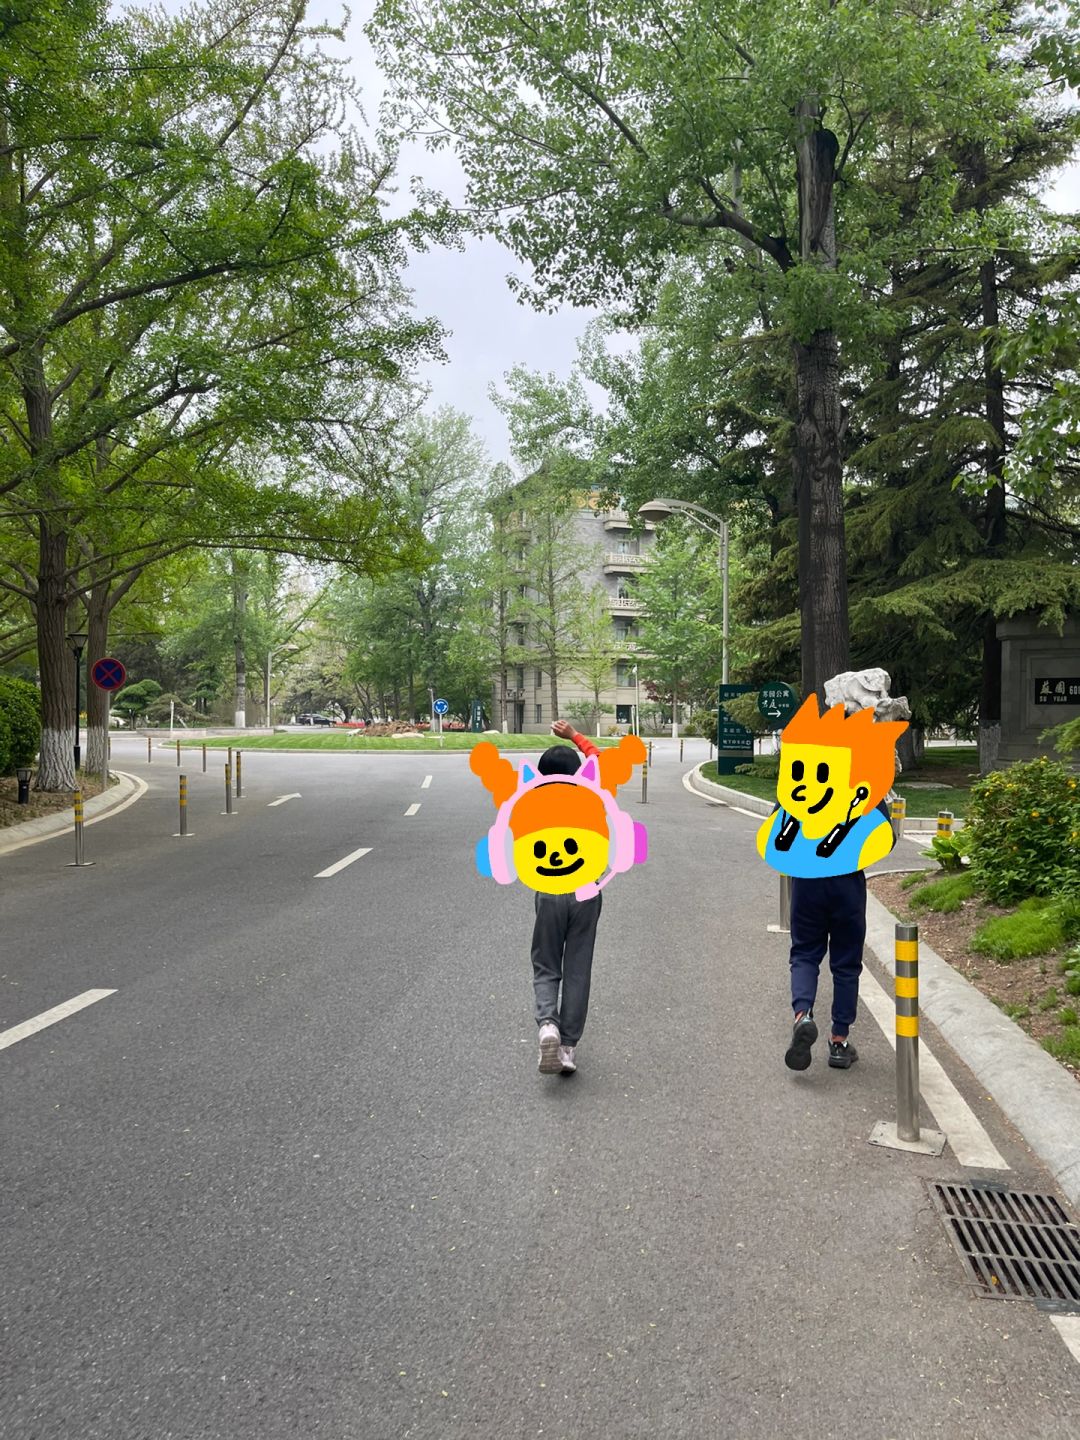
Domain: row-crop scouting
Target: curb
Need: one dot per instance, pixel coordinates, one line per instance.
(32, 832)
(1040, 1098)
(740, 801)
(1032, 1090)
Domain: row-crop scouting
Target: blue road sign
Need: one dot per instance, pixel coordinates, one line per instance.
(441, 707)
(108, 674)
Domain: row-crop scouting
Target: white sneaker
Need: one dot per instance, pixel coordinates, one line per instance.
(549, 1049)
(566, 1059)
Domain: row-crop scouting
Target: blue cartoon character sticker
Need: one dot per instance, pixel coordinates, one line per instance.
(834, 775)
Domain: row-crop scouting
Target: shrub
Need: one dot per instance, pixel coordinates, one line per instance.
(918, 877)
(945, 895)
(949, 850)
(20, 723)
(1025, 832)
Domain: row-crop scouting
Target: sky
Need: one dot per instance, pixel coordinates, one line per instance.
(489, 332)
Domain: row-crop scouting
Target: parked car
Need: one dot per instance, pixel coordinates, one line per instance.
(314, 720)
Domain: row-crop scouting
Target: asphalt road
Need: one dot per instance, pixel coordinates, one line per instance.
(298, 1177)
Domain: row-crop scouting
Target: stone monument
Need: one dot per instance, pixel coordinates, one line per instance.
(1040, 684)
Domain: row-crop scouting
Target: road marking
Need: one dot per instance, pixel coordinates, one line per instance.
(348, 860)
(970, 1143)
(282, 798)
(1068, 1327)
(711, 800)
(425, 782)
(412, 809)
(50, 1017)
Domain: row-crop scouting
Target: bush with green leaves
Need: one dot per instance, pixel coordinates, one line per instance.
(20, 723)
(135, 699)
(949, 850)
(1024, 826)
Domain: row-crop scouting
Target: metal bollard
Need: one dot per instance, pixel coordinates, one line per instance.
(650, 752)
(178, 754)
(944, 823)
(898, 813)
(645, 783)
(239, 781)
(907, 1032)
(149, 752)
(785, 902)
(79, 861)
(204, 758)
(680, 751)
(228, 790)
(183, 807)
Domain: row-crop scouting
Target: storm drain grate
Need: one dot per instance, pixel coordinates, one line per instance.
(1014, 1243)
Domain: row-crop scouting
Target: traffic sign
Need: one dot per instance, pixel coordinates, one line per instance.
(440, 707)
(107, 673)
(777, 703)
(734, 743)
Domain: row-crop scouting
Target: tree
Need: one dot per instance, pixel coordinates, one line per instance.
(594, 653)
(600, 144)
(191, 251)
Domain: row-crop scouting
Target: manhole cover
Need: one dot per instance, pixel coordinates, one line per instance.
(1014, 1243)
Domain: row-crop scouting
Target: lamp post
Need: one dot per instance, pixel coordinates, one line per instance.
(637, 701)
(661, 510)
(77, 640)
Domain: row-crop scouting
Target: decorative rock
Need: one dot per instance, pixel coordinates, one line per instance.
(863, 689)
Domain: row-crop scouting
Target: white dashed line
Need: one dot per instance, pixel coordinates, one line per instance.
(340, 865)
(412, 809)
(425, 782)
(50, 1017)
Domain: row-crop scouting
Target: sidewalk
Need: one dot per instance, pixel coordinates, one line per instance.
(30, 832)
(1028, 1085)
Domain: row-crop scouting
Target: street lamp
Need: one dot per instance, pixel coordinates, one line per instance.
(637, 701)
(22, 775)
(77, 640)
(661, 510)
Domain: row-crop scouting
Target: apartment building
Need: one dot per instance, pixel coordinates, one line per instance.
(618, 554)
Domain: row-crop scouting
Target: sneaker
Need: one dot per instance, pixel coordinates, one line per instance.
(566, 1059)
(549, 1049)
(842, 1054)
(803, 1035)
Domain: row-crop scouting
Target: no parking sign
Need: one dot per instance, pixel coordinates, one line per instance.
(108, 673)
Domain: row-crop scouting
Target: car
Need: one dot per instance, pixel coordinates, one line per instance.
(314, 720)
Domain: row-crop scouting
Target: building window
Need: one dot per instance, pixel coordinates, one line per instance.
(539, 714)
(624, 593)
(624, 673)
(521, 677)
(622, 547)
(539, 679)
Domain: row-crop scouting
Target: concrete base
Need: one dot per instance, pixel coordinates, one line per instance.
(930, 1142)
(778, 929)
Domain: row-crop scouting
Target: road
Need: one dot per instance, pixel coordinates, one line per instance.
(298, 1176)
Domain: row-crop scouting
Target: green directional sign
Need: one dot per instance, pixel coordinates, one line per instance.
(734, 743)
(777, 703)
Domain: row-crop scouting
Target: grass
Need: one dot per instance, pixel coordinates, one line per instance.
(945, 894)
(1027, 931)
(1065, 1046)
(921, 804)
(355, 742)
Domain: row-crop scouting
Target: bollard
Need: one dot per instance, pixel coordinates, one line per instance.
(149, 752)
(680, 751)
(710, 749)
(785, 902)
(907, 1032)
(228, 790)
(898, 814)
(645, 783)
(239, 783)
(204, 758)
(944, 824)
(183, 807)
(178, 754)
(79, 862)
(650, 752)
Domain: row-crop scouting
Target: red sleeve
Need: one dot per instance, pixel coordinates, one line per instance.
(587, 748)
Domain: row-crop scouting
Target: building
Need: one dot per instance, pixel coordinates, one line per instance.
(617, 555)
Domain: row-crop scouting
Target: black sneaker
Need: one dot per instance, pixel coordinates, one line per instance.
(803, 1035)
(842, 1054)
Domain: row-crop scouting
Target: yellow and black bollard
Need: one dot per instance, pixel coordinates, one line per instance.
(183, 831)
(944, 824)
(898, 813)
(907, 1032)
(228, 789)
(149, 751)
(79, 861)
(650, 752)
(204, 758)
(645, 783)
(178, 754)
(239, 780)
(680, 751)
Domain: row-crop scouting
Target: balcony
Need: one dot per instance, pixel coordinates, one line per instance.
(620, 520)
(625, 605)
(615, 563)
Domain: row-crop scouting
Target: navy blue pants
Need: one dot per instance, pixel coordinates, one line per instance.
(828, 914)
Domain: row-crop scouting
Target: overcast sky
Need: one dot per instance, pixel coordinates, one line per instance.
(489, 332)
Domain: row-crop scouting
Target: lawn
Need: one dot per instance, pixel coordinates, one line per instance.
(358, 743)
(948, 770)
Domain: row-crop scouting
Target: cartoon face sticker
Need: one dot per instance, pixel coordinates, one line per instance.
(559, 833)
(834, 772)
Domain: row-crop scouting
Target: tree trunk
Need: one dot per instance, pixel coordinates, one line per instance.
(97, 701)
(56, 764)
(816, 455)
(994, 522)
(239, 607)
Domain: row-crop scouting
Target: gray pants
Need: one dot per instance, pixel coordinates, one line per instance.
(562, 951)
